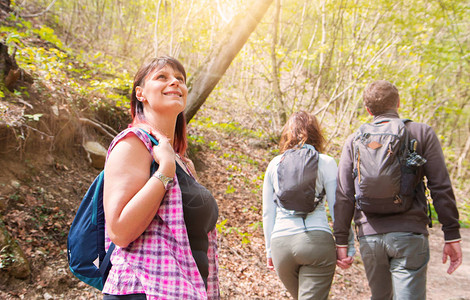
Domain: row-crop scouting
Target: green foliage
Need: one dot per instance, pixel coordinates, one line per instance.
(230, 189)
(34, 117)
(274, 151)
(253, 208)
(49, 220)
(47, 34)
(7, 258)
(51, 65)
(214, 145)
(82, 73)
(257, 184)
(122, 85)
(231, 167)
(12, 38)
(199, 140)
(240, 158)
(256, 225)
(222, 229)
(196, 139)
(434, 217)
(15, 197)
(228, 128)
(13, 35)
(464, 214)
(47, 63)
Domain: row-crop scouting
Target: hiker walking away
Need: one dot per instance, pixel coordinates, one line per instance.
(162, 223)
(299, 242)
(380, 183)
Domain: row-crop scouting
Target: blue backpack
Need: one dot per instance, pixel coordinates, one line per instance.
(87, 257)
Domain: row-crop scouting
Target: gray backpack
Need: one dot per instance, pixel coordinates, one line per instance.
(297, 175)
(384, 178)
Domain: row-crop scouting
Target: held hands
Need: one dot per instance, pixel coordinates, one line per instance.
(342, 259)
(454, 251)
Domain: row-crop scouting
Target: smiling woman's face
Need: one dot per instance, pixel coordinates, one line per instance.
(164, 89)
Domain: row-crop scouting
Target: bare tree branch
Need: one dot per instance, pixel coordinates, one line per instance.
(40, 13)
(97, 126)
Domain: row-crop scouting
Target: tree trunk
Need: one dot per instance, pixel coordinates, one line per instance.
(276, 85)
(10, 74)
(218, 61)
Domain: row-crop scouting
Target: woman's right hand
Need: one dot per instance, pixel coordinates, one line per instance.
(269, 264)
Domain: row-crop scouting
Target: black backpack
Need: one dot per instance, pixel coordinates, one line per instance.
(297, 175)
(385, 167)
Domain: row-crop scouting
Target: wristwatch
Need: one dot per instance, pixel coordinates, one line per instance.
(167, 181)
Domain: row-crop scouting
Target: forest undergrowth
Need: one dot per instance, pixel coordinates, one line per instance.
(43, 195)
(40, 197)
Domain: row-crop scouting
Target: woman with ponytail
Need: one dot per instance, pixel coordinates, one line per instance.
(301, 249)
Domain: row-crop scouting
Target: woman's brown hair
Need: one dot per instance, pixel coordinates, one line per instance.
(137, 108)
(302, 128)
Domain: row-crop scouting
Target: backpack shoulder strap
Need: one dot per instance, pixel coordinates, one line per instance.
(106, 265)
(152, 139)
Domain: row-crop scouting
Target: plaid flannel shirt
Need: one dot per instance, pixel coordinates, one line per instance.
(160, 263)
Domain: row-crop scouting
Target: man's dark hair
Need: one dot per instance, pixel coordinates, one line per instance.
(381, 96)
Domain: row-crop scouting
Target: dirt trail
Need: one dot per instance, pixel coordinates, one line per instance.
(442, 286)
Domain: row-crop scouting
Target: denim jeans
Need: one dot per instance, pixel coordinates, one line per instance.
(396, 265)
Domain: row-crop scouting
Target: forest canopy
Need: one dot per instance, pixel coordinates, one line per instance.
(310, 55)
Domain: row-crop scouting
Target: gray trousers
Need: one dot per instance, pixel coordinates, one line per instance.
(305, 263)
(396, 265)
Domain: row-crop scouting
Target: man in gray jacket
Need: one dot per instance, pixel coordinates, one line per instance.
(394, 247)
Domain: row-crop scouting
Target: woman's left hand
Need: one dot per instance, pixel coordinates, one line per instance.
(164, 154)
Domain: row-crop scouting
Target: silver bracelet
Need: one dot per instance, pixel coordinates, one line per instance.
(167, 181)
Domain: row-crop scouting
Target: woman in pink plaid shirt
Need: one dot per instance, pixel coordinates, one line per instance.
(163, 221)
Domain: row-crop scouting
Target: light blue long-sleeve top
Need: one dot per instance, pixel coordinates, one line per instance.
(277, 223)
